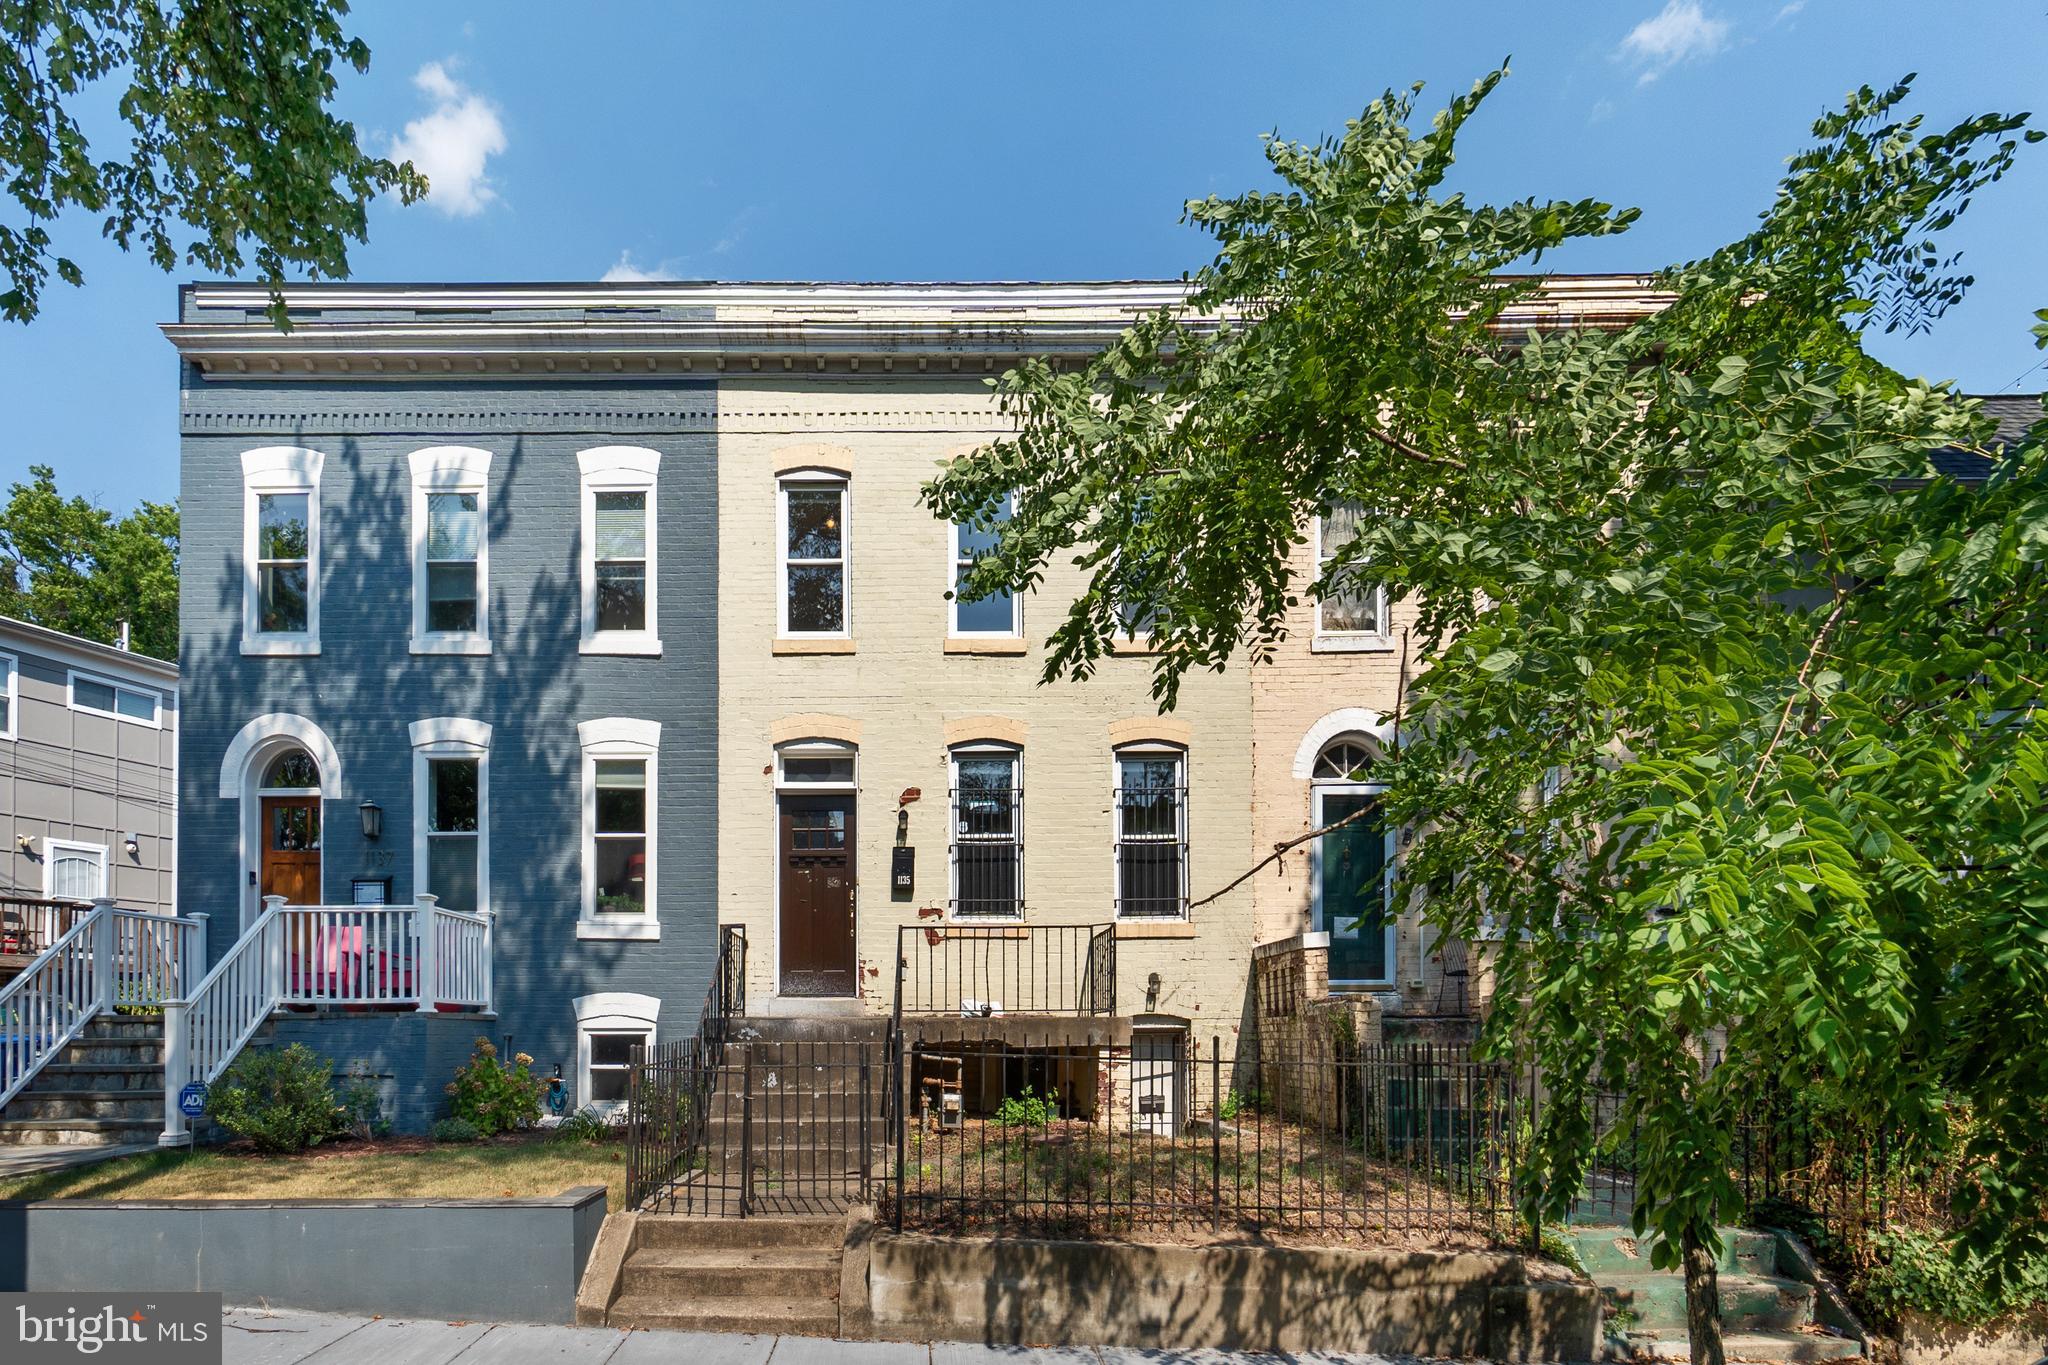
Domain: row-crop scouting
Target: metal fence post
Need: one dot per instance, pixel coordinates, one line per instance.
(1215, 1132)
(903, 1069)
(746, 1133)
(867, 1154)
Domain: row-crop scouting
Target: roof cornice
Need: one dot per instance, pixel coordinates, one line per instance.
(366, 331)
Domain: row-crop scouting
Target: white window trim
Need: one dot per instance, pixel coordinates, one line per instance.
(1346, 641)
(620, 737)
(1317, 790)
(72, 679)
(814, 478)
(618, 469)
(609, 1012)
(982, 748)
(953, 631)
(816, 748)
(52, 847)
(451, 469)
(1148, 749)
(12, 727)
(280, 469)
(451, 737)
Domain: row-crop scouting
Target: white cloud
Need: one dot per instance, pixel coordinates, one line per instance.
(623, 271)
(1788, 11)
(1680, 32)
(452, 143)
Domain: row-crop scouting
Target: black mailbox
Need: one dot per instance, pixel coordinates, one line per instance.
(902, 868)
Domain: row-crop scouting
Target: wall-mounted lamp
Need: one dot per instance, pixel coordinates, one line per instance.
(26, 843)
(133, 843)
(373, 820)
(1152, 992)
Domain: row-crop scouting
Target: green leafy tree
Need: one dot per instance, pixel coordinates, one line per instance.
(1691, 577)
(224, 104)
(72, 565)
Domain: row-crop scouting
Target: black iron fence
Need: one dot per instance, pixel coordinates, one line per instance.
(669, 1085)
(1376, 1143)
(985, 969)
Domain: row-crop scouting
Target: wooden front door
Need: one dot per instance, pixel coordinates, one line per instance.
(291, 849)
(815, 864)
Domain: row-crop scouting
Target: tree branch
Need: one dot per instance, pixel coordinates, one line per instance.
(1798, 689)
(1280, 851)
(1402, 448)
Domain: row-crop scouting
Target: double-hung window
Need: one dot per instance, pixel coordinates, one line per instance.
(451, 812)
(988, 833)
(1351, 613)
(105, 697)
(12, 700)
(992, 616)
(281, 550)
(621, 572)
(814, 555)
(621, 775)
(1151, 812)
(450, 551)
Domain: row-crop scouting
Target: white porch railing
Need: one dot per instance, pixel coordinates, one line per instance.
(108, 959)
(325, 955)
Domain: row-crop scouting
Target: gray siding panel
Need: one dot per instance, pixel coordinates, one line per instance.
(365, 687)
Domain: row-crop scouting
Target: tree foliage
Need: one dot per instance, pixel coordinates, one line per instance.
(71, 565)
(224, 104)
(1694, 576)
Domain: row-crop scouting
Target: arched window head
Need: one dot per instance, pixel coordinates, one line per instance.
(1345, 760)
(292, 768)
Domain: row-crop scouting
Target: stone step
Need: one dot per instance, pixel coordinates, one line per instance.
(118, 1051)
(77, 1132)
(791, 1129)
(125, 1026)
(1774, 1348)
(68, 1076)
(1749, 1303)
(845, 1028)
(795, 1273)
(749, 1233)
(760, 1316)
(141, 1106)
(1619, 1251)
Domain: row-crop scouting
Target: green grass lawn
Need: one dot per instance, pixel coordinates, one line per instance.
(503, 1169)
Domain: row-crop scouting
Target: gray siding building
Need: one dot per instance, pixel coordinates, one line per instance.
(457, 636)
(88, 770)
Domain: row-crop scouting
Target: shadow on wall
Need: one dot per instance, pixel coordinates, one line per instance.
(366, 687)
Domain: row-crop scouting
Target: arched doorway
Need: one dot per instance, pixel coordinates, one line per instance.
(1352, 867)
(289, 851)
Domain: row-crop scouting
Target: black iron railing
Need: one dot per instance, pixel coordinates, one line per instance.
(975, 969)
(668, 1096)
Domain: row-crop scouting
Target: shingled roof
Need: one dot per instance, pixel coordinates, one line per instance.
(2015, 412)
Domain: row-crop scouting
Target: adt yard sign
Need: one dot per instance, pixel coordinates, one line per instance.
(192, 1100)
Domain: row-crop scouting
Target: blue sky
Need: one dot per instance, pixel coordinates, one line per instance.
(1046, 141)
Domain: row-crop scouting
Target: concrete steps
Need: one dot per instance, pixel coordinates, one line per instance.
(1767, 1314)
(760, 1275)
(104, 1090)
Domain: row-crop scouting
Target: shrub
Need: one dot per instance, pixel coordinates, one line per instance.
(281, 1099)
(1922, 1270)
(1239, 1102)
(589, 1124)
(1028, 1110)
(496, 1096)
(454, 1130)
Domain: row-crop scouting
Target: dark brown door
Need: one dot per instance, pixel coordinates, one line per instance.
(291, 848)
(816, 855)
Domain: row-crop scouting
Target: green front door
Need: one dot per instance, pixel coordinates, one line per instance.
(1351, 898)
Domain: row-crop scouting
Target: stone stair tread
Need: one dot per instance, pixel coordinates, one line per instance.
(722, 1314)
(760, 1258)
(97, 1125)
(1772, 1347)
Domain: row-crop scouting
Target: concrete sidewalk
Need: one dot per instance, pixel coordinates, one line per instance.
(255, 1336)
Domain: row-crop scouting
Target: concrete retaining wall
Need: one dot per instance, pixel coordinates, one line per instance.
(507, 1260)
(2019, 1340)
(1500, 1307)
